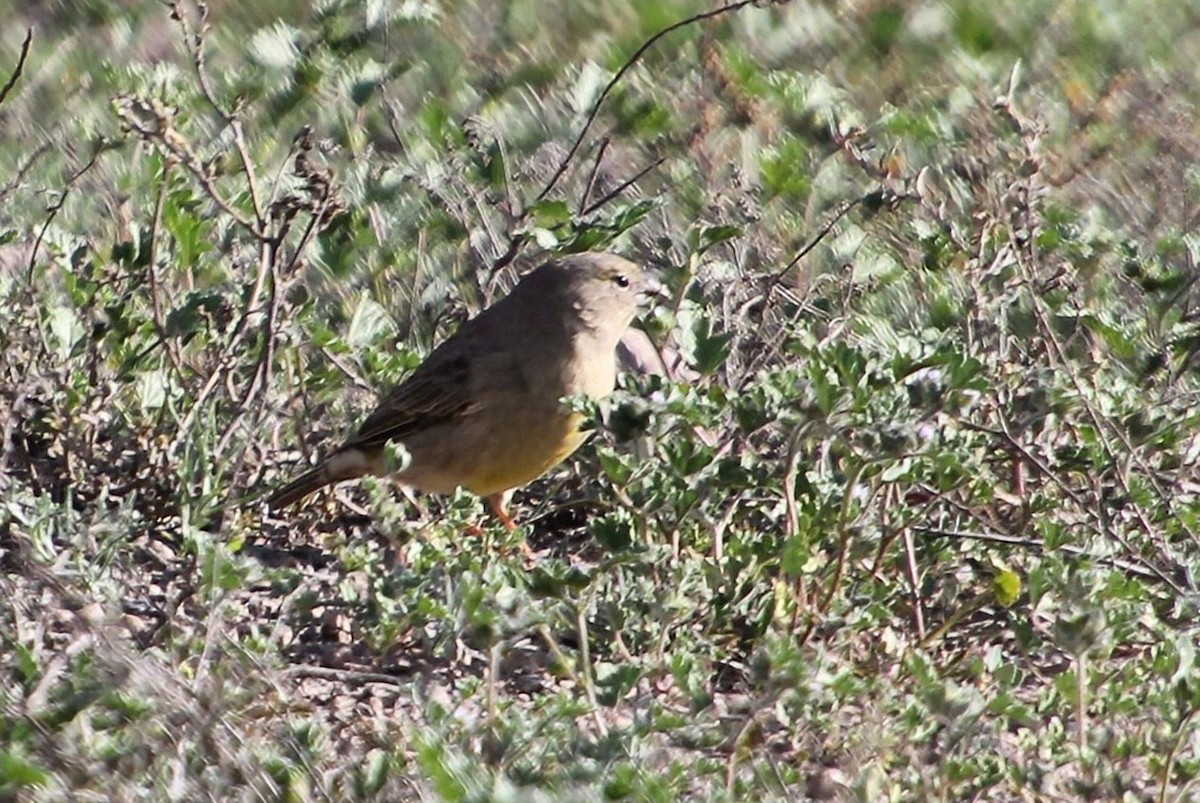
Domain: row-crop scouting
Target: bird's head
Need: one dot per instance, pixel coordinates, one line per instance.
(605, 290)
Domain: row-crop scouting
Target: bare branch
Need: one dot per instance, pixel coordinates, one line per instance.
(626, 67)
(624, 185)
(591, 182)
(57, 206)
(16, 73)
(194, 41)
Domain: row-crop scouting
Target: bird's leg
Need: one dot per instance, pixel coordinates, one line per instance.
(499, 504)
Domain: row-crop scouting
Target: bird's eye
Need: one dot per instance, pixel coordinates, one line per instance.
(621, 279)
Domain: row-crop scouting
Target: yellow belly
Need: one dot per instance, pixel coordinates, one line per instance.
(522, 464)
(486, 461)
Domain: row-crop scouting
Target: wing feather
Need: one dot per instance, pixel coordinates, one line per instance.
(438, 392)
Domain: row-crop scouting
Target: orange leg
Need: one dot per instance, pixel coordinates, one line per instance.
(499, 504)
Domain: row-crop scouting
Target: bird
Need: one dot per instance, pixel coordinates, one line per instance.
(488, 410)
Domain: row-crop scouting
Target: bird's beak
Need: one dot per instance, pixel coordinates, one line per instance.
(652, 290)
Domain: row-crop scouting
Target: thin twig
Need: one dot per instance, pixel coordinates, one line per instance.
(792, 522)
(347, 676)
(591, 181)
(914, 582)
(773, 280)
(737, 748)
(569, 666)
(152, 122)
(275, 301)
(16, 73)
(1081, 717)
(1182, 734)
(270, 244)
(843, 528)
(626, 67)
(624, 185)
(821, 234)
(194, 41)
(1129, 567)
(152, 285)
(53, 210)
(1028, 257)
(517, 240)
(585, 663)
(37, 153)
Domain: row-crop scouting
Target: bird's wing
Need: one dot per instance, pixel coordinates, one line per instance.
(438, 392)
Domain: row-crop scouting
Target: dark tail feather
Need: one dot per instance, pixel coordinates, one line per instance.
(344, 464)
(300, 487)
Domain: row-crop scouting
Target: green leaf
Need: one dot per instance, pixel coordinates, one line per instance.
(614, 681)
(704, 348)
(369, 323)
(701, 240)
(153, 388)
(796, 552)
(369, 79)
(589, 84)
(17, 772)
(65, 329)
(711, 351)
(632, 215)
(784, 170)
(549, 214)
(275, 47)
(25, 663)
(614, 532)
(897, 470)
(1006, 586)
(395, 457)
(199, 312)
(184, 218)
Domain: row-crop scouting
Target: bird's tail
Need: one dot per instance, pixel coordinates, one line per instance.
(345, 464)
(297, 489)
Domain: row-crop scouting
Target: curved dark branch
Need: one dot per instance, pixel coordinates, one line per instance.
(626, 67)
(16, 73)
